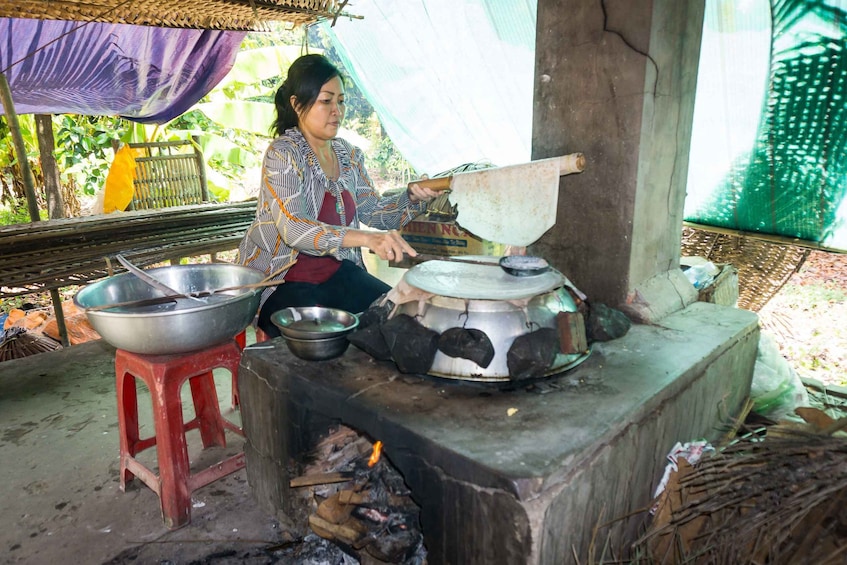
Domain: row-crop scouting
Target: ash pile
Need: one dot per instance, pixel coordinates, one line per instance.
(352, 497)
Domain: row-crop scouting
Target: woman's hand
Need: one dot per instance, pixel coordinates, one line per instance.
(418, 193)
(389, 245)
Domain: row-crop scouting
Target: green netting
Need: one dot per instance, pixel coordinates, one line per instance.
(790, 178)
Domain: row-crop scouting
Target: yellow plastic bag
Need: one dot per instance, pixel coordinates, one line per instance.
(119, 189)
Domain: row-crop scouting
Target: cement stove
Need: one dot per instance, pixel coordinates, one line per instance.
(512, 477)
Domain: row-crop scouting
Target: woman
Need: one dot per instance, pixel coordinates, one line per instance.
(315, 192)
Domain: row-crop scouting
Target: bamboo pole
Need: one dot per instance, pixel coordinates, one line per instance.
(20, 148)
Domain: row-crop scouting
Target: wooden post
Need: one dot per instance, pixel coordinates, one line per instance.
(52, 182)
(55, 203)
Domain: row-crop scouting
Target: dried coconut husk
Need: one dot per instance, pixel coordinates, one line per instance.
(17, 343)
(781, 498)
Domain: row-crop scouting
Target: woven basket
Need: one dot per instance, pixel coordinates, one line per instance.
(763, 267)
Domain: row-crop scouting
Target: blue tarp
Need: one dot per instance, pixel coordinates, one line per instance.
(145, 74)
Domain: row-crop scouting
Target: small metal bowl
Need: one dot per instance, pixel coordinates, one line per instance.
(314, 322)
(315, 332)
(317, 349)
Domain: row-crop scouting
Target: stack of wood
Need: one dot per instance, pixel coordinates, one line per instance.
(44, 322)
(360, 502)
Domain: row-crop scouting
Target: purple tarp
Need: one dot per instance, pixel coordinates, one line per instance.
(144, 74)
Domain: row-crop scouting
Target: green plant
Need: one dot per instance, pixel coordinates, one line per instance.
(17, 214)
(812, 295)
(82, 143)
(12, 187)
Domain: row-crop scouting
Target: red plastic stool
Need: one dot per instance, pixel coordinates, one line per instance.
(164, 376)
(241, 340)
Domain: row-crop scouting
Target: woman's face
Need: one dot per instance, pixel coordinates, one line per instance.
(324, 118)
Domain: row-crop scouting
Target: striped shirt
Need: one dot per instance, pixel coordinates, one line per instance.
(290, 197)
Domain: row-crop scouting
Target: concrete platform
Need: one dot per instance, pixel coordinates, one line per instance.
(519, 476)
(59, 488)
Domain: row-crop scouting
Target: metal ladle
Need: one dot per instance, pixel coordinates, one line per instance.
(154, 282)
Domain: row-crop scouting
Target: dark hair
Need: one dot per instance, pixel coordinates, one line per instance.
(305, 78)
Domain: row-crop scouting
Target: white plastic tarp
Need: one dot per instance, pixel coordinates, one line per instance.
(451, 80)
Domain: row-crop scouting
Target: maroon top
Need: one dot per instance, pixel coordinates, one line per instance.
(313, 269)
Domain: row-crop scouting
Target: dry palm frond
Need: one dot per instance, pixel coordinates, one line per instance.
(775, 500)
(17, 343)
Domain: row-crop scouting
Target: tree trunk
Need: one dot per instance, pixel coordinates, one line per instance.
(52, 182)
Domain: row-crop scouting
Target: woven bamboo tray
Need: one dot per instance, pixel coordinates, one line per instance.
(763, 267)
(196, 14)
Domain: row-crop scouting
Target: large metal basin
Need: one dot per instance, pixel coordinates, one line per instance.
(174, 327)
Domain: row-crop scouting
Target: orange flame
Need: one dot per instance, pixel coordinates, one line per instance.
(375, 454)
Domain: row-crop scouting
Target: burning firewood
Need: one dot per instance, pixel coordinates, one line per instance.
(360, 501)
(351, 533)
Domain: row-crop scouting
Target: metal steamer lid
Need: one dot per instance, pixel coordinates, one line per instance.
(479, 281)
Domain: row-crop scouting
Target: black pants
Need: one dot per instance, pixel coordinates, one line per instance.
(351, 288)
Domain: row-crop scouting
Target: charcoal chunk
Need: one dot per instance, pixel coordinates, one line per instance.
(605, 324)
(375, 314)
(532, 354)
(369, 339)
(413, 346)
(469, 344)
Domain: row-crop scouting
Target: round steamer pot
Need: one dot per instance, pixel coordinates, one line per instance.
(502, 321)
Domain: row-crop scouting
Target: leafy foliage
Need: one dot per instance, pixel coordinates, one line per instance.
(83, 147)
(17, 214)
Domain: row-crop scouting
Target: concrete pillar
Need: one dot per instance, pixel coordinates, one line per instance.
(615, 79)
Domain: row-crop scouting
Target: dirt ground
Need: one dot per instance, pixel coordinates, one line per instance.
(808, 319)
